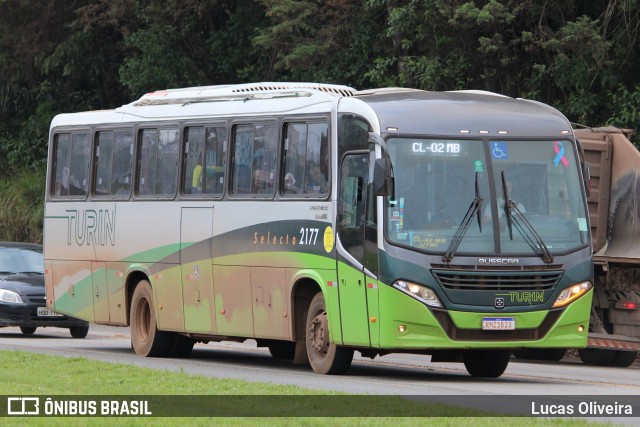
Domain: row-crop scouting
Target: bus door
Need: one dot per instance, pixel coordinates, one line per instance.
(196, 230)
(352, 279)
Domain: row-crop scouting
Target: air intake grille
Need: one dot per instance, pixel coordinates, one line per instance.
(497, 281)
(335, 90)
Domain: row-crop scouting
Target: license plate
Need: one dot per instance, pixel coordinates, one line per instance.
(498, 323)
(45, 312)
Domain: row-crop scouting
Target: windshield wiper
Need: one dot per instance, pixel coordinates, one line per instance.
(522, 224)
(474, 208)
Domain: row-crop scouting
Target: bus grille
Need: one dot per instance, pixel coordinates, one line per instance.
(497, 281)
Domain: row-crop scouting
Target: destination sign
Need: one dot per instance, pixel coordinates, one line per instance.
(436, 147)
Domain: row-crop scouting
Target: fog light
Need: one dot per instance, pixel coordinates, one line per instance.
(402, 329)
(580, 328)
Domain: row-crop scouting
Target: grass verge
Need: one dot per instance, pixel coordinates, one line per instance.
(36, 374)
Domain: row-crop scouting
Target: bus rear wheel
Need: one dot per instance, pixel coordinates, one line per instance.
(146, 339)
(181, 346)
(325, 357)
(486, 363)
(282, 350)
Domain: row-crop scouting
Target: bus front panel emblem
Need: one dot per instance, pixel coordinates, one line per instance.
(499, 302)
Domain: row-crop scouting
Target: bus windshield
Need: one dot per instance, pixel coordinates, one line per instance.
(438, 182)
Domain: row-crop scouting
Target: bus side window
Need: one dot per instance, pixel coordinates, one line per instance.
(242, 155)
(264, 159)
(294, 164)
(104, 160)
(122, 160)
(61, 166)
(193, 160)
(158, 161)
(254, 159)
(317, 158)
(72, 164)
(306, 161)
(167, 168)
(147, 161)
(79, 169)
(215, 153)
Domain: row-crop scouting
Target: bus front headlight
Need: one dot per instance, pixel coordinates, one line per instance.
(419, 292)
(572, 293)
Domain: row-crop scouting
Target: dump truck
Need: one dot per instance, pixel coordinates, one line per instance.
(613, 191)
(614, 212)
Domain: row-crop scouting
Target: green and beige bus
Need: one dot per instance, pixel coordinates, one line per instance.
(319, 220)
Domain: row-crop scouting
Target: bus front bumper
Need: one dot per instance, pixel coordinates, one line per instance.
(408, 324)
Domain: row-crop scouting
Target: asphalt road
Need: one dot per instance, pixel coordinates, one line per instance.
(398, 374)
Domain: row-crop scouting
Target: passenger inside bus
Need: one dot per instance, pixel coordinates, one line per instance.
(315, 181)
(196, 180)
(262, 182)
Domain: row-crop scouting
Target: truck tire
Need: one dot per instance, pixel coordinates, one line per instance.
(597, 356)
(624, 359)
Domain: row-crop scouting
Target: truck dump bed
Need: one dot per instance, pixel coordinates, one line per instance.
(614, 202)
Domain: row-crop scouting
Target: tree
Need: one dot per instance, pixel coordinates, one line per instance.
(192, 43)
(327, 41)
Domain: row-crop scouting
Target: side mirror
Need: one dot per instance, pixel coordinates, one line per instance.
(382, 177)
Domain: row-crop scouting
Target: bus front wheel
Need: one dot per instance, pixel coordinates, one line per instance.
(146, 339)
(486, 363)
(325, 357)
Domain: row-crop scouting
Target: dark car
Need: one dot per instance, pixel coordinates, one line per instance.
(22, 295)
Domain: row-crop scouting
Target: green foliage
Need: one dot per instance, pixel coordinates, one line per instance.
(626, 115)
(58, 56)
(192, 43)
(22, 206)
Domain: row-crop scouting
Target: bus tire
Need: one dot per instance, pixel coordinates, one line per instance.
(182, 345)
(79, 331)
(624, 359)
(146, 339)
(486, 363)
(27, 330)
(325, 357)
(282, 350)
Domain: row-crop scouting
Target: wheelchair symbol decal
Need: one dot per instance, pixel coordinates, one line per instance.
(499, 150)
